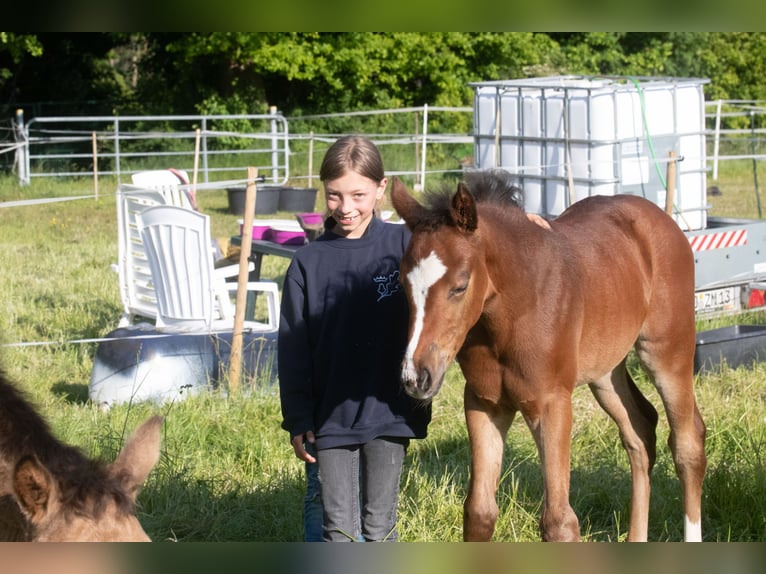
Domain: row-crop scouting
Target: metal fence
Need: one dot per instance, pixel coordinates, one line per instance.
(121, 145)
(221, 145)
(736, 130)
(289, 148)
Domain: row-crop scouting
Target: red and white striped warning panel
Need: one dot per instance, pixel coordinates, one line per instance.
(733, 238)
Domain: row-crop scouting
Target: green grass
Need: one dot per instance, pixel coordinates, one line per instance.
(227, 472)
(738, 190)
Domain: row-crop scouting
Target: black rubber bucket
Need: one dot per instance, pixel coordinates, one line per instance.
(266, 199)
(297, 199)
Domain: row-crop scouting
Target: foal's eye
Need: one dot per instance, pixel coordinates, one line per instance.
(459, 290)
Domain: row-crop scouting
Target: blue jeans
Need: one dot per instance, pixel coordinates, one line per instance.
(312, 502)
(360, 490)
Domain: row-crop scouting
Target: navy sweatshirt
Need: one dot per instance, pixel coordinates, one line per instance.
(342, 336)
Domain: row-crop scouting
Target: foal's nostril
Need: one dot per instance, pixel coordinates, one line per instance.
(425, 380)
(417, 382)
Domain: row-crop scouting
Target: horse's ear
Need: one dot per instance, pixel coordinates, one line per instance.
(463, 209)
(405, 205)
(139, 456)
(34, 488)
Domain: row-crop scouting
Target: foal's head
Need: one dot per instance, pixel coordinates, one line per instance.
(72, 498)
(444, 274)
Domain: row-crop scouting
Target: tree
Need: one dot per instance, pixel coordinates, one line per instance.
(313, 72)
(326, 72)
(65, 73)
(13, 49)
(734, 62)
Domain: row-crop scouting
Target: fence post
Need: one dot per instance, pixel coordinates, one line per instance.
(755, 163)
(235, 358)
(670, 183)
(717, 138)
(416, 137)
(311, 158)
(195, 169)
(117, 166)
(22, 148)
(95, 166)
(274, 144)
(205, 165)
(423, 151)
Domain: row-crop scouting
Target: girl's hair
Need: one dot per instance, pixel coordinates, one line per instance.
(355, 153)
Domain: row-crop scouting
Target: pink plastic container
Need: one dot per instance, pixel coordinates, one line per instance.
(286, 234)
(259, 228)
(311, 218)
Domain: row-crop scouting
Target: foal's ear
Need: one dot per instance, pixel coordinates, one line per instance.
(34, 488)
(405, 205)
(139, 456)
(463, 209)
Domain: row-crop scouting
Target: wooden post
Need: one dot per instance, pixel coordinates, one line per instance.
(194, 171)
(235, 367)
(416, 137)
(95, 167)
(671, 183)
(311, 158)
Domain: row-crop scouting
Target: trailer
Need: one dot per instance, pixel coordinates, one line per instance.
(570, 137)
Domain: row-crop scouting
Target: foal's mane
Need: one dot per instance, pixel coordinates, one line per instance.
(85, 484)
(490, 186)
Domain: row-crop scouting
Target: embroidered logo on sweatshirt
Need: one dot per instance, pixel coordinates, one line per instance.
(387, 284)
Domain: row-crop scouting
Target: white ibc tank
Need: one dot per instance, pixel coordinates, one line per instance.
(569, 137)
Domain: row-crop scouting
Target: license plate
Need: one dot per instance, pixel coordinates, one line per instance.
(717, 300)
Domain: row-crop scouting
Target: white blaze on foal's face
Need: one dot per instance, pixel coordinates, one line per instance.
(421, 278)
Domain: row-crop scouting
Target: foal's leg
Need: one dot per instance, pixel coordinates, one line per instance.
(550, 420)
(487, 428)
(670, 362)
(637, 420)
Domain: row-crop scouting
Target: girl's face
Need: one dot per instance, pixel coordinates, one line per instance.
(351, 201)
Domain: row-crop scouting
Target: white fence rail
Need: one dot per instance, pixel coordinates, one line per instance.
(73, 146)
(81, 146)
(736, 129)
(113, 145)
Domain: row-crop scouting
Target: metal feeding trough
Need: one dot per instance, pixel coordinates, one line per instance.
(735, 346)
(140, 363)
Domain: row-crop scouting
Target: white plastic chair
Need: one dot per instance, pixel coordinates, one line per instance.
(172, 183)
(135, 279)
(192, 295)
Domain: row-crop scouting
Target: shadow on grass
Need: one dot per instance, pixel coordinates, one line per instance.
(599, 494)
(174, 508)
(72, 393)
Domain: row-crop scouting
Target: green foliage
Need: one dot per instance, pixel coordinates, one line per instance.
(17, 46)
(328, 72)
(235, 105)
(322, 72)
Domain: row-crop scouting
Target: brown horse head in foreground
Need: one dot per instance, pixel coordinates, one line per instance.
(530, 313)
(51, 492)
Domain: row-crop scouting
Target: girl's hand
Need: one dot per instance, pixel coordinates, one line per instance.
(300, 450)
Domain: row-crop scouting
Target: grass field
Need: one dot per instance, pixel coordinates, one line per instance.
(227, 472)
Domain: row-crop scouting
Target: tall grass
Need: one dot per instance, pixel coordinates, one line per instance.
(227, 472)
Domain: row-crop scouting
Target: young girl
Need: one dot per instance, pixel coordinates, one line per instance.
(343, 331)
